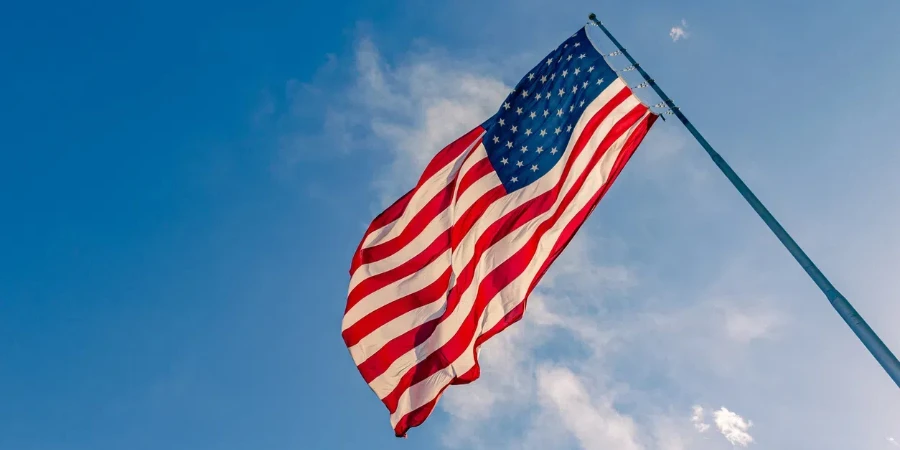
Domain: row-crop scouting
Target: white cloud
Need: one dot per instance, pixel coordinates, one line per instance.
(613, 343)
(592, 419)
(697, 419)
(747, 326)
(893, 442)
(733, 427)
(417, 107)
(678, 32)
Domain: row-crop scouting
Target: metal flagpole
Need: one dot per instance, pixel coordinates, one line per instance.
(859, 326)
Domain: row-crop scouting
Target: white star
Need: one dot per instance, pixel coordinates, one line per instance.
(506, 105)
(577, 44)
(540, 149)
(591, 69)
(581, 56)
(543, 133)
(502, 122)
(571, 108)
(575, 89)
(569, 129)
(549, 61)
(559, 112)
(530, 76)
(538, 96)
(566, 46)
(544, 79)
(508, 144)
(558, 130)
(519, 164)
(569, 58)
(496, 140)
(581, 104)
(524, 93)
(519, 111)
(562, 92)
(564, 73)
(514, 128)
(546, 113)
(577, 71)
(504, 161)
(534, 167)
(524, 148)
(532, 115)
(584, 85)
(600, 81)
(553, 76)
(528, 131)
(514, 179)
(553, 151)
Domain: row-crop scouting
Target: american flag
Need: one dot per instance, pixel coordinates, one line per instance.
(452, 262)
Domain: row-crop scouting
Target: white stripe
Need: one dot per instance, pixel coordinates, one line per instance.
(373, 342)
(420, 198)
(477, 154)
(411, 283)
(474, 192)
(494, 212)
(378, 232)
(396, 290)
(417, 245)
(387, 381)
(513, 294)
(421, 241)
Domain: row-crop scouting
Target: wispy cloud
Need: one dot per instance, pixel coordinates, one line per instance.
(697, 419)
(418, 106)
(733, 427)
(592, 419)
(893, 442)
(746, 326)
(615, 346)
(679, 32)
(568, 399)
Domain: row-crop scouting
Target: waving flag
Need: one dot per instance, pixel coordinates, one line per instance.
(452, 262)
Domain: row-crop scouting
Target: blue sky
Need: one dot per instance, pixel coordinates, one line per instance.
(183, 185)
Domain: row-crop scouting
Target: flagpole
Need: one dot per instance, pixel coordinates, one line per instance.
(859, 326)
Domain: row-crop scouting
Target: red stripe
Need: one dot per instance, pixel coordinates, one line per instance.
(504, 274)
(463, 224)
(386, 217)
(417, 416)
(434, 208)
(376, 282)
(444, 157)
(450, 153)
(382, 359)
(475, 173)
(384, 314)
(376, 364)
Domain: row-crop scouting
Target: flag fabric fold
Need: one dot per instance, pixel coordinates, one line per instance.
(452, 262)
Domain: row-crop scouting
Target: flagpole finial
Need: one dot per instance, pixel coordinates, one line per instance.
(592, 17)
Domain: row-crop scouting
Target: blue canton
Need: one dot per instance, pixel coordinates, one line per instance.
(530, 132)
